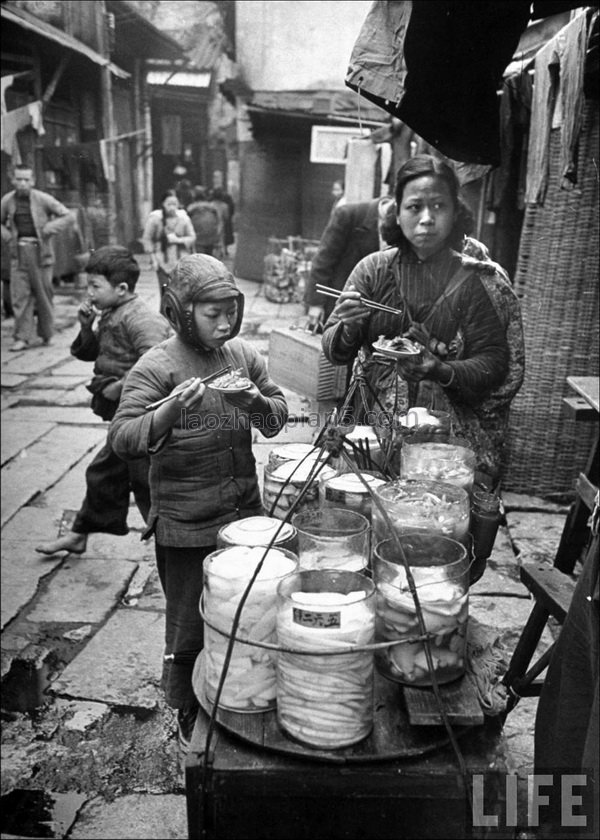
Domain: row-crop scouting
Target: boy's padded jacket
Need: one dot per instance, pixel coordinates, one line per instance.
(203, 472)
(124, 333)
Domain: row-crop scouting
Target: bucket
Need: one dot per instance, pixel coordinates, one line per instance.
(332, 538)
(284, 483)
(258, 530)
(438, 458)
(426, 506)
(348, 491)
(440, 570)
(250, 684)
(325, 700)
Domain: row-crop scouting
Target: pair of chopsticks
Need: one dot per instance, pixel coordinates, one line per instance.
(206, 379)
(370, 304)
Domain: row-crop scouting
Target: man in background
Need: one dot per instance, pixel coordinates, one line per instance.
(351, 233)
(29, 219)
(224, 203)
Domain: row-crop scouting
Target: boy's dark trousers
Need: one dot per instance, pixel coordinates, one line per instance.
(109, 481)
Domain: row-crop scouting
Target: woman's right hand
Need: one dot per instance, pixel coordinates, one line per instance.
(350, 309)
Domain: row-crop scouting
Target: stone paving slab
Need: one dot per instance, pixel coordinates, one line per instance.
(66, 416)
(522, 502)
(494, 583)
(78, 396)
(32, 362)
(74, 367)
(68, 493)
(59, 381)
(12, 380)
(21, 577)
(153, 817)
(84, 589)
(7, 400)
(46, 461)
(17, 437)
(128, 547)
(121, 664)
(507, 615)
(535, 534)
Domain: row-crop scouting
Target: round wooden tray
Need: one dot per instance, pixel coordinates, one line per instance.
(391, 738)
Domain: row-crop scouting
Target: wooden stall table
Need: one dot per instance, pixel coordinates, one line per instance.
(401, 781)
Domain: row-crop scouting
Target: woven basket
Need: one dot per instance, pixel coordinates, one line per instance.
(557, 281)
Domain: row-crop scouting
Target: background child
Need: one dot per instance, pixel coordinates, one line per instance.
(127, 328)
(202, 470)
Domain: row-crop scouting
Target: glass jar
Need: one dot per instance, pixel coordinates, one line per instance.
(250, 684)
(440, 570)
(325, 701)
(485, 519)
(332, 538)
(422, 506)
(258, 530)
(348, 491)
(438, 457)
(284, 483)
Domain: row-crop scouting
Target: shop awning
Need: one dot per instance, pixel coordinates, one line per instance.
(328, 106)
(46, 30)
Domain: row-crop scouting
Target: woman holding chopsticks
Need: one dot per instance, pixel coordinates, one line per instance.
(461, 310)
(202, 470)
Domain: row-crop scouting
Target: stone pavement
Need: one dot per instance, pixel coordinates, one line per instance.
(88, 746)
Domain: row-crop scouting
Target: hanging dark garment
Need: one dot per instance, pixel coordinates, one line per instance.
(437, 66)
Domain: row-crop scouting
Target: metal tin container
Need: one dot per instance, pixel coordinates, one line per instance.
(258, 530)
(325, 701)
(348, 491)
(250, 684)
(284, 483)
(440, 570)
(291, 452)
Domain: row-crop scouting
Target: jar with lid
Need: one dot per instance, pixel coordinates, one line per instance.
(258, 530)
(292, 452)
(349, 491)
(250, 684)
(325, 700)
(284, 484)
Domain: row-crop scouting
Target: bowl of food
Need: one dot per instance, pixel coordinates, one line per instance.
(230, 382)
(397, 347)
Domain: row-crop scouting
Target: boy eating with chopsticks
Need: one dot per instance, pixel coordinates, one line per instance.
(127, 328)
(202, 473)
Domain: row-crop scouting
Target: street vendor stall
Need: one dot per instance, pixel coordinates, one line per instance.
(346, 654)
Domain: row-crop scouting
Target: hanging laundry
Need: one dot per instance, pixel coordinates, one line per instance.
(559, 74)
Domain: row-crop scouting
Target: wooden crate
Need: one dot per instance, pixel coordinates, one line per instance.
(297, 362)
